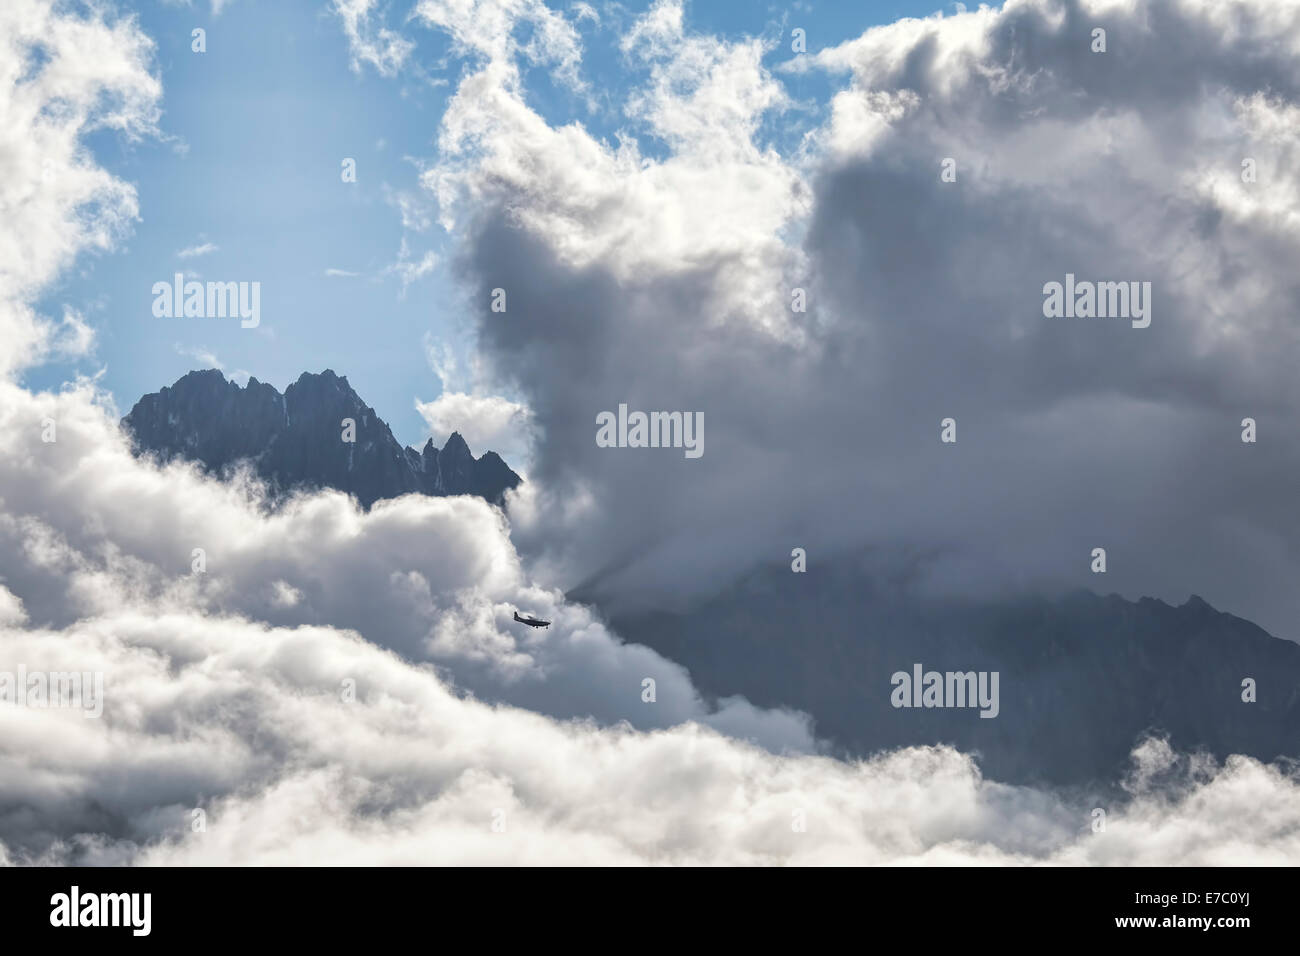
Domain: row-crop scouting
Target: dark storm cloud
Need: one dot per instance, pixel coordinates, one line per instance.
(925, 301)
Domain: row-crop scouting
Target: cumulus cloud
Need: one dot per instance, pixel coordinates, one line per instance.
(58, 203)
(249, 723)
(717, 202)
(346, 686)
(668, 283)
(11, 607)
(259, 692)
(487, 422)
(468, 404)
(85, 525)
(434, 580)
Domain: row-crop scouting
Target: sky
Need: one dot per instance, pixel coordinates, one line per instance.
(243, 181)
(650, 186)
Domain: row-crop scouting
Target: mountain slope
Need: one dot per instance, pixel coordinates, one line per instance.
(1081, 677)
(297, 439)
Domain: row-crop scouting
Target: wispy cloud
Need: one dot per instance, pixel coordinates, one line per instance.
(200, 354)
(410, 270)
(216, 6)
(332, 273)
(417, 211)
(384, 49)
(193, 252)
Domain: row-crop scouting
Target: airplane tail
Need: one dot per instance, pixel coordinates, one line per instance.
(517, 617)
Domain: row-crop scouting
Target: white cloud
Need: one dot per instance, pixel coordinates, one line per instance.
(57, 202)
(409, 269)
(226, 695)
(12, 612)
(193, 252)
(201, 355)
(487, 422)
(488, 29)
(224, 688)
(380, 47)
(337, 273)
(216, 6)
(415, 209)
(705, 97)
(470, 405)
(434, 578)
(648, 275)
(73, 337)
(717, 198)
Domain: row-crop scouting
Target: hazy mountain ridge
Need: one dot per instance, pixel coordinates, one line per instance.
(295, 439)
(1082, 677)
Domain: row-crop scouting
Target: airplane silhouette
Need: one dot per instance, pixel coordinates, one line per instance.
(531, 621)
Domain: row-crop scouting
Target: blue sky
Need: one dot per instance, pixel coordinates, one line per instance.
(255, 131)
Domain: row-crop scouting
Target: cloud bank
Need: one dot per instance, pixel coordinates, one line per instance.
(666, 276)
(332, 686)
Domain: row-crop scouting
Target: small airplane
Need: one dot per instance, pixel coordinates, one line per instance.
(531, 621)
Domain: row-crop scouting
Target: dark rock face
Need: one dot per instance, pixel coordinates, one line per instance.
(1082, 677)
(296, 439)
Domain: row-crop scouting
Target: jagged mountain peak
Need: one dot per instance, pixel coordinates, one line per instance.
(327, 378)
(297, 439)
